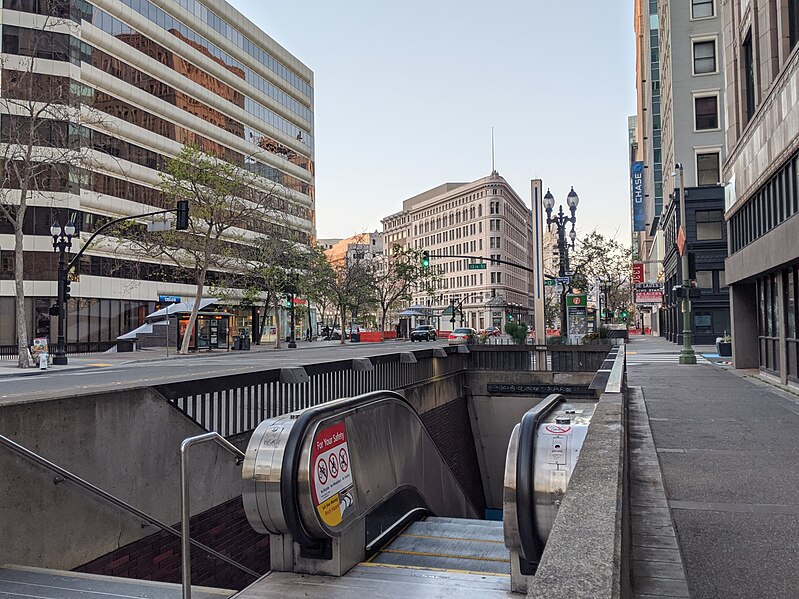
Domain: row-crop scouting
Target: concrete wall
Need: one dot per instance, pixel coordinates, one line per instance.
(127, 443)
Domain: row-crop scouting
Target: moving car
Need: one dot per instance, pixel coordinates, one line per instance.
(492, 331)
(424, 332)
(462, 335)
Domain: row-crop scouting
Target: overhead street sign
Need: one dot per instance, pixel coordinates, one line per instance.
(478, 266)
(564, 280)
(549, 282)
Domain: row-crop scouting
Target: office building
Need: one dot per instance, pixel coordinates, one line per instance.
(483, 218)
(762, 201)
(160, 75)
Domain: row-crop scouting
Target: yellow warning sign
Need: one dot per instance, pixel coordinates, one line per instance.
(330, 511)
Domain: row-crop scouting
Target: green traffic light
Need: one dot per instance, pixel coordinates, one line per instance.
(425, 259)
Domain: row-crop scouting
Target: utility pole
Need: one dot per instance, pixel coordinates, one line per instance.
(687, 355)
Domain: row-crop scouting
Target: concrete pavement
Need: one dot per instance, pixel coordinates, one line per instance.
(728, 450)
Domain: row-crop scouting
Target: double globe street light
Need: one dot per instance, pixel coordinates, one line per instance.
(62, 241)
(561, 220)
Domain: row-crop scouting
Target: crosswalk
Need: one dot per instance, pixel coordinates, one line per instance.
(638, 359)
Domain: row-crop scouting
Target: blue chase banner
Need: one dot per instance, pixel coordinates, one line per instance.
(637, 176)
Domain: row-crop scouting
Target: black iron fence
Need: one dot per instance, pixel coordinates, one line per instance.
(559, 358)
(10, 352)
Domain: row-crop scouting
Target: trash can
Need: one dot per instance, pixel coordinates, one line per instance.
(43, 357)
(236, 342)
(245, 343)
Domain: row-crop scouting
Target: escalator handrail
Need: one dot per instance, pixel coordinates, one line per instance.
(289, 485)
(532, 544)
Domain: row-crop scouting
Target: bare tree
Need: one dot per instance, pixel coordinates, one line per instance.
(599, 257)
(42, 132)
(351, 287)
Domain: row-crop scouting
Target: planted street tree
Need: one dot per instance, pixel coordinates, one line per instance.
(351, 287)
(597, 256)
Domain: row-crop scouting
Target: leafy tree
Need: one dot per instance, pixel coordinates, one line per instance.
(597, 256)
(351, 287)
(397, 275)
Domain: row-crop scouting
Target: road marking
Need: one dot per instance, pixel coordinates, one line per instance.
(100, 365)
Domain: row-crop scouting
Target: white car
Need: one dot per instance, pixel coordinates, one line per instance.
(462, 335)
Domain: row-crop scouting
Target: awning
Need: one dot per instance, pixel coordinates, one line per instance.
(182, 307)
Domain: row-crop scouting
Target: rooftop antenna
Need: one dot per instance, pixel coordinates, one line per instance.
(493, 169)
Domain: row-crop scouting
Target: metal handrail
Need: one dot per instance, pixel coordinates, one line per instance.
(67, 475)
(185, 539)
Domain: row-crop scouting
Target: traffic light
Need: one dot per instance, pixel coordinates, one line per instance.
(425, 259)
(182, 222)
(510, 317)
(624, 315)
(67, 284)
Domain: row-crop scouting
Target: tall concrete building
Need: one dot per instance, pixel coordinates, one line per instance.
(762, 200)
(483, 218)
(680, 120)
(162, 74)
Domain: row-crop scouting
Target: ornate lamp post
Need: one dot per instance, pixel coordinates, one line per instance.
(62, 241)
(687, 355)
(561, 220)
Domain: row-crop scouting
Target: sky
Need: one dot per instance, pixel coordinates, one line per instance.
(406, 93)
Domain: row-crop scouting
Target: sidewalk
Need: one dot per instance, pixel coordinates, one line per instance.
(728, 450)
(8, 367)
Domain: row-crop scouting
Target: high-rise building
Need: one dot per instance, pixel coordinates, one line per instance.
(483, 218)
(160, 74)
(679, 120)
(762, 199)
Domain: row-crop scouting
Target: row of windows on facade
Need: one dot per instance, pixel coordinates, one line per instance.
(454, 204)
(78, 10)
(454, 218)
(18, 85)
(776, 201)
(58, 46)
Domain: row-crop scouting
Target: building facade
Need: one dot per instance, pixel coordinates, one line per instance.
(160, 74)
(762, 199)
(680, 120)
(483, 218)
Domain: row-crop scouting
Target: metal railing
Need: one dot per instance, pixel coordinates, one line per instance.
(67, 475)
(558, 358)
(235, 404)
(10, 352)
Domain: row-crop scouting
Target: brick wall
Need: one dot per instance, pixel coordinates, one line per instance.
(223, 528)
(451, 429)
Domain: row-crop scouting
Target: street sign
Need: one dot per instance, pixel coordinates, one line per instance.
(681, 241)
(550, 282)
(478, 266)
(169, 299)
(563, 280)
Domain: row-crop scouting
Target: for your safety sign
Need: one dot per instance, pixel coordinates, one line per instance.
(331, 479)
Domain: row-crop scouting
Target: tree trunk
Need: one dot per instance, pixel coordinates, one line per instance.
(276, 308)
(383, 323)
(198, 296)
(24, 357)
(343, 325)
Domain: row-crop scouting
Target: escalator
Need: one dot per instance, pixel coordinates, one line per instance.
(358, 500)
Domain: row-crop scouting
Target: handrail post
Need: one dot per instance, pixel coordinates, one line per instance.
(185, 513)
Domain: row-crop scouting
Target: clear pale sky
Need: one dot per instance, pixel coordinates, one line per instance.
(406, 94)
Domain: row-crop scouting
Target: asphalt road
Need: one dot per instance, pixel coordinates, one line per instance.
(102, 372)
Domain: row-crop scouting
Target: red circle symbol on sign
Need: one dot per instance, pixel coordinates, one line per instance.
(577, 301)
(333, 465)
(557, 429)
(343, 460)
(321, 471)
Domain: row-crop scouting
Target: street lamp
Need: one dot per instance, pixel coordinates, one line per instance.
(687, 355)
(561, 220)
(62, 241)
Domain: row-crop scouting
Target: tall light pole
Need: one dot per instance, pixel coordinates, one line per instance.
(687, 355)
(561, 220)
(62, 241)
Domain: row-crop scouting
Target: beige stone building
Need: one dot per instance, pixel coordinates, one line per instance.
(483, 218)
(762, 199)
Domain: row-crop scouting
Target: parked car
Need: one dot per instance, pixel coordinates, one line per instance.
(462, 335)
(424, 332)
(491, 331)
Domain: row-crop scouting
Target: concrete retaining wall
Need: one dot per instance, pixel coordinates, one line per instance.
(127, 443)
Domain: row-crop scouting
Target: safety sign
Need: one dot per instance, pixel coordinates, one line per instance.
(557, 429)
(332, 476)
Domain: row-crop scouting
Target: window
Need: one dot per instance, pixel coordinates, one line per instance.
(706, 112)
(704, 279)
(793, 22)
(708, 225)
(704, 57)
(749, 77)
(707, 169)
(701, 9)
